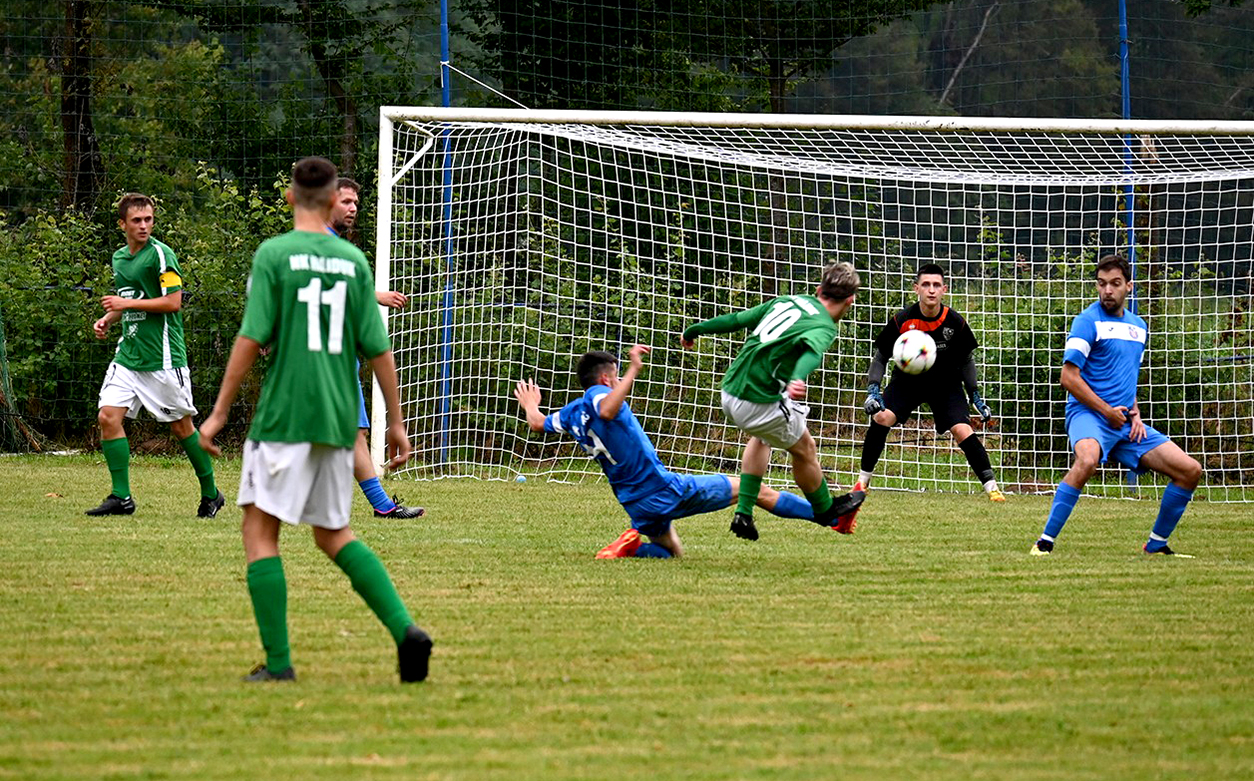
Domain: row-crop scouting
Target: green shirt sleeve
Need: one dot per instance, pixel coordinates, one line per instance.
(808, 361)
(261, 309)
(372, 338)
(734, 321)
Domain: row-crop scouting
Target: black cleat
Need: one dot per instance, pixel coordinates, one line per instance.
(841, 505)
(114, 505)
(413, 654)
(209, 507)
(262, 674)
(1164, 551)
(401, 511)
(742, 526)
(1041, 548)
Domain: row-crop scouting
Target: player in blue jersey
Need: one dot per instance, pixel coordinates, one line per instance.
(602, 423)
(341, 222)
(1101, 362)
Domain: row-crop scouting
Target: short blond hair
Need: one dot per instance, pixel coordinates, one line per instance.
(839, 281)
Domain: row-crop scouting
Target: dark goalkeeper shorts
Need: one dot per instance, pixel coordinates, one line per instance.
(948, 405)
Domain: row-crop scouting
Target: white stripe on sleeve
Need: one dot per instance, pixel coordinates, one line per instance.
(555, 420)
(1080, 345)
(596, 402)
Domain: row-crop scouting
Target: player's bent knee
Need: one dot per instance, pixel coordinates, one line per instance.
(885, 417)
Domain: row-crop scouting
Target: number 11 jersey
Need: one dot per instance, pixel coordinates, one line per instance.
(311, 301)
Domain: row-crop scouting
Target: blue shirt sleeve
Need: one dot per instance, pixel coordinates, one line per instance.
(563, 420)
(1080, 341)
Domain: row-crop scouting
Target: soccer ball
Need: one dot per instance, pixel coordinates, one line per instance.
(914, 352)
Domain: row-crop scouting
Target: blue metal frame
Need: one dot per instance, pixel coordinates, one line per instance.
(446, 358)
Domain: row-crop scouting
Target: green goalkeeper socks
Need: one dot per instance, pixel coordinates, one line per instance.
(820, 500)
(201, 463)
(370, 580)
(117, 453)
(750, 487)
(268, 589)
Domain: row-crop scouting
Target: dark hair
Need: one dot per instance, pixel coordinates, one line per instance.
(345, 183)
(929, 268)
(592, 365)
(839, 281)
(313, 180)
(1114, 261)
(133, 201)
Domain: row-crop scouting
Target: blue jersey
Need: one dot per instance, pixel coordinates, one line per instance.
(1108, 352)
(619, 445)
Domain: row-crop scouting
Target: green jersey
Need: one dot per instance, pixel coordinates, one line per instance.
(150, 341)
(790, 335)
(311, 299)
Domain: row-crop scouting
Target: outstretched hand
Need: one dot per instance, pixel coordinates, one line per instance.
(637, 353)
(527, 393)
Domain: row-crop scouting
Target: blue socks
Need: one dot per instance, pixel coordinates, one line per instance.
(649, 550)
(793, 506)
(377, 497)
(1064, 502)
(1175, 499)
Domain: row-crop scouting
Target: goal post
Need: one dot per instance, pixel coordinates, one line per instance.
(526, 238)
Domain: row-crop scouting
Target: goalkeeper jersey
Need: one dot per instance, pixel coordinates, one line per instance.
(150, 341)
(311, 299)
(790, 335)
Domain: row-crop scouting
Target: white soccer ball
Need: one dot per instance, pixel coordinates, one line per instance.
(914, 352)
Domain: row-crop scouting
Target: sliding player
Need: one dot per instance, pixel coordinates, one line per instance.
(940, 388)
(764, 387)
(602, 423)
(1099, 371)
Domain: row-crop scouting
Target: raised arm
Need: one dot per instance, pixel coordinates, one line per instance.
(528, 395)
(734, 321)
(612, 403)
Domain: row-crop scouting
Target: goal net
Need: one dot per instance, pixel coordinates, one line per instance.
(528, 238)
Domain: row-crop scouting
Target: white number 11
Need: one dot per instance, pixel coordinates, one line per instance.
(313, 296)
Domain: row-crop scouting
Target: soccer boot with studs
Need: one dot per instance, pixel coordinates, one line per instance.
(114, 505)
(623, 548)
(414, 655)
(847, 523)
(1042, 548)
(742, 526)
(262, 674)
(209, 507)
(401, 511)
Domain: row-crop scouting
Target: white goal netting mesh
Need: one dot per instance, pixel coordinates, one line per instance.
(525, 245)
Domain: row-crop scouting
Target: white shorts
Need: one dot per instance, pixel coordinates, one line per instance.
(777, 423)
(166, 393)
(298, 482)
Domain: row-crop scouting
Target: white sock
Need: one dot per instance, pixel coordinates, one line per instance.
(990, 486)
(865, 479)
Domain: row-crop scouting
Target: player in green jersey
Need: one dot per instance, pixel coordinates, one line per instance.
(311, 301)
(765, 385)
(149, 367)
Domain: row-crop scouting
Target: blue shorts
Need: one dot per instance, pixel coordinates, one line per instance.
(363, 420)
(684, 495)
(1086, 424)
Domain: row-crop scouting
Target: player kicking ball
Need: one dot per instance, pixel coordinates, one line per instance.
(601, 422)
(311, 299)
(940, 388)
(765, 385)
(1101, 361)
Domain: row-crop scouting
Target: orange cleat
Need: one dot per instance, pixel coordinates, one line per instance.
(622, 548)
(846, 523)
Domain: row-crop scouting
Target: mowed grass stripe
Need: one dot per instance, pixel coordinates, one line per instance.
(928, 645)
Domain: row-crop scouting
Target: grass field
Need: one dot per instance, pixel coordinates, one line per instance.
(927, 646)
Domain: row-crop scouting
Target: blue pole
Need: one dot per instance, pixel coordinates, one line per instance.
(1129, 196)
(446, 360)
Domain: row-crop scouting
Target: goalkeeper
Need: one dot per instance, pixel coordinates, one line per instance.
(940, 388)
(765, 385)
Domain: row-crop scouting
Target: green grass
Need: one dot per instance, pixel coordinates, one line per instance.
(927, 646)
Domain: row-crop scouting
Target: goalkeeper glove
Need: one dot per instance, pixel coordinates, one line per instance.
(983, 409)
(874, 401)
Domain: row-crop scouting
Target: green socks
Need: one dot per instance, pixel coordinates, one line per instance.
(117, 453)
(268, 589)
(820, 500)
(371, 581)
(750, 487)
(201, 463)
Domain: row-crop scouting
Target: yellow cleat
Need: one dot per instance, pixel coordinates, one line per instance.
(996, 496)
